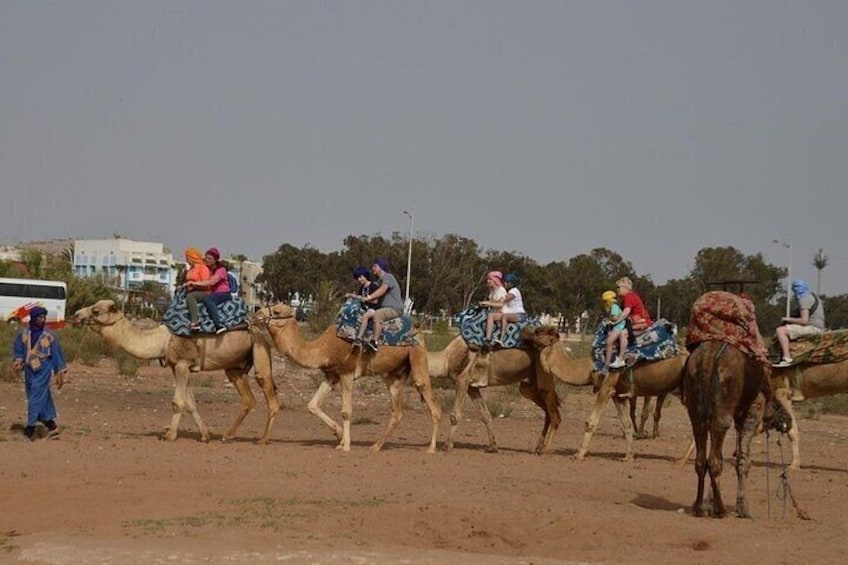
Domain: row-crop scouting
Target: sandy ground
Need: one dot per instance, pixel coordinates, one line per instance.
(109, 491)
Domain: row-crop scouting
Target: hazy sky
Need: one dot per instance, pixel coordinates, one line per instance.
(548, 128)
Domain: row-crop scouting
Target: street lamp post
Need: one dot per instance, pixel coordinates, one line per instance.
(406, 304)
(788, 246)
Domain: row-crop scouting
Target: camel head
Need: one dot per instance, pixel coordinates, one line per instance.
(102, 313)
(274, 318)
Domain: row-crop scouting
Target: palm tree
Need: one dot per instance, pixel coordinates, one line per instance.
(819, 262)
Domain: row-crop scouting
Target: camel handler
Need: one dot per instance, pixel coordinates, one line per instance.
(38, 353)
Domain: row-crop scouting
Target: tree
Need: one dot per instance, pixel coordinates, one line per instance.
(819, 262)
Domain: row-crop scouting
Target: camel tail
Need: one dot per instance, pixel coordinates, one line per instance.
(705, 385)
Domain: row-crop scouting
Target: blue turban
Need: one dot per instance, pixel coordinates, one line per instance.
(511, 278)
(36, 312)
(799, 287)
(382, 263)
(360, 272)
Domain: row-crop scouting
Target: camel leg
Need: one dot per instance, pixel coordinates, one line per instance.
(191, 406)
(485, 416)
(347, 410)
(744, 434)
(456, 413)
(314, 407)
(647, 411)
(626, 427)
(657, 414)
(248, 401)
(549, 403)
(606, 391)
(394, 384)
(715, 462)
(784, 397)
(461, 388)
(421, 381)
(686, 456)
(178, 402)
(265, 379)
(700, 442)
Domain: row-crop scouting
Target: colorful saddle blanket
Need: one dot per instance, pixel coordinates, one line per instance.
(723, 316)
(827, 347)
(657, 342)
(233, 314)
(472, 328)
(397, 331)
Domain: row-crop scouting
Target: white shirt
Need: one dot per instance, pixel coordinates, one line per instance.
(516, 305)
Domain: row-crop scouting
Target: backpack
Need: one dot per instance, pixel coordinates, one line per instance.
(232, 280)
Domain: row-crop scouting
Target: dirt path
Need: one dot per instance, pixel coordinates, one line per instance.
(110, 492)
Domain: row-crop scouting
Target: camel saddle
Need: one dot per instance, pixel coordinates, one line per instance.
(472, 328)
(398, 331)
(657, 342)
(723, 316)
(827, 347)
(176, 319)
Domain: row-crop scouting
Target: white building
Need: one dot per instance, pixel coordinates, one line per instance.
(125, 263)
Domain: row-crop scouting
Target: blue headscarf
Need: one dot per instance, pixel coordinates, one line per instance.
(511, 278)
(36, 331)
(382, 263)
(800, 288)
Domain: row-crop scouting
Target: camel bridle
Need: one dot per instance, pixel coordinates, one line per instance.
(264, 319)
(94, 320)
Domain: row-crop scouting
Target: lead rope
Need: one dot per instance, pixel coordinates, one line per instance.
(81, 343)
(784, 489)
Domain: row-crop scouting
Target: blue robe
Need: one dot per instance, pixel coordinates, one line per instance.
(43, 360)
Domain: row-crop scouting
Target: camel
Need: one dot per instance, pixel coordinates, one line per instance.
(235, 352)
(341, 362)
(529, 368)
(814, 381)
(722, 388)
(654, 378)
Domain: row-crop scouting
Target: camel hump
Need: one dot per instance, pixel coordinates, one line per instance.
(540, 337)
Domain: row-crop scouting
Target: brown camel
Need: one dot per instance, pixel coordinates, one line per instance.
(653, 378)
(341, 362)
(722, 388)
(531, 368)
(235, 352)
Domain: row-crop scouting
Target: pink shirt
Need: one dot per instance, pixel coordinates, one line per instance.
(223, 285)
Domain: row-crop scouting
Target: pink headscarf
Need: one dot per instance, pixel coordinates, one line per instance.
(496, 276)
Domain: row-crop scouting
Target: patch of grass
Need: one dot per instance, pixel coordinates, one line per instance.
(440, 336)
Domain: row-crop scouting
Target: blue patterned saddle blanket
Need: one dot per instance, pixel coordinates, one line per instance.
(472, 327)
(395, 332)
(658, 342)
(233, 314)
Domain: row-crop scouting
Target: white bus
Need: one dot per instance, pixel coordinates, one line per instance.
(19, 296)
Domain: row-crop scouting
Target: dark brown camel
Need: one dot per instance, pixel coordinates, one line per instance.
(722, 387)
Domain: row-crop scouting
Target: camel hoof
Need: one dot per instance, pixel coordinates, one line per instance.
(375, 448)
(627, 458)
(580, 457)
(492, 449)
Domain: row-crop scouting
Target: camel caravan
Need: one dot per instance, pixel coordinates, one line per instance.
(723, 374)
